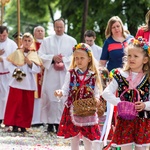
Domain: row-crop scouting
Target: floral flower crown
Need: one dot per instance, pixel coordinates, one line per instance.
(141, 42)
(104, 74)
(83, 46)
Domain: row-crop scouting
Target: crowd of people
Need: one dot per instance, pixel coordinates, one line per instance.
(56, 81)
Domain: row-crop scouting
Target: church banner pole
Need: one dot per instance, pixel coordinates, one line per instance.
(18, 14)
(3, 2)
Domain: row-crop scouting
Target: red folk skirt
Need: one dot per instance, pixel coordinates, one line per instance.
(67, 129)
(19, 108)
(132, 131)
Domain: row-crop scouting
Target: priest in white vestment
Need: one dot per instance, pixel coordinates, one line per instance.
(39, 34)
(55, 51)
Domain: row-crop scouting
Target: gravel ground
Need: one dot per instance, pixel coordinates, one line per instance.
(36, 139)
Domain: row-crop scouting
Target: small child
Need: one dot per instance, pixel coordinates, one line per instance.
(134, 78)
(24, 64)
(80, 79)
(105, 81)
(104, 76)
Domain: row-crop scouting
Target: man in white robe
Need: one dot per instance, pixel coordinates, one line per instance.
(7, 46)
(55, 49)
(39, 34)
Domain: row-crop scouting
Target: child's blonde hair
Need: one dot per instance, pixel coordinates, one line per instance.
(93, 64)
(146, 27)
(139, 44)
(27, 34)
(147, 20)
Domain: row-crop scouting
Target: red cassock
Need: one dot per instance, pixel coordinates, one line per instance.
(39, 76)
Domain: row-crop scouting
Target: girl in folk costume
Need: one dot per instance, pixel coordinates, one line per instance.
(82, 82)
(24, 64)
(132, 84)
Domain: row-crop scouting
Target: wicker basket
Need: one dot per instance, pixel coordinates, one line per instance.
(102, 107)
(84, 107)
(126, 110)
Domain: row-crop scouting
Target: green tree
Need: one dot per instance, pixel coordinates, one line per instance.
(99, 12)
(135, 16)
(78, 17)
(31, 16)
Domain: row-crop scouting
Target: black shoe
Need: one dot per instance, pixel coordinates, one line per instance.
(37, 125)
(15, 129)
(1, 121)
(50, 128)
(23, 130)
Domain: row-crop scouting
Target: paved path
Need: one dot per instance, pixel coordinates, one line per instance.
(36, 140)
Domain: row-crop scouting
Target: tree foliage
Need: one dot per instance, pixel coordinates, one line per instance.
(32, 13)
(99, 12)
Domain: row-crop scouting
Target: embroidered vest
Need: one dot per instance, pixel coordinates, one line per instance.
(143, 89)
(86, 91)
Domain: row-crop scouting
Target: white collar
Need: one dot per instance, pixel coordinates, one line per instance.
(89, 71)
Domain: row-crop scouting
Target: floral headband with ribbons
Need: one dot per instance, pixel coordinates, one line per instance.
(141, 42)
(83, 46)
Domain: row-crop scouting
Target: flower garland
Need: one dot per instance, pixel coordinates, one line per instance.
(141, 42)
(83, 46)
(113, 72)
(104, 73)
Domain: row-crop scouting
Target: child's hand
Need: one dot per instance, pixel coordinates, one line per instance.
(28, 62)
(139, 106)
(101, 68)
(2, 51)
(58, 93)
